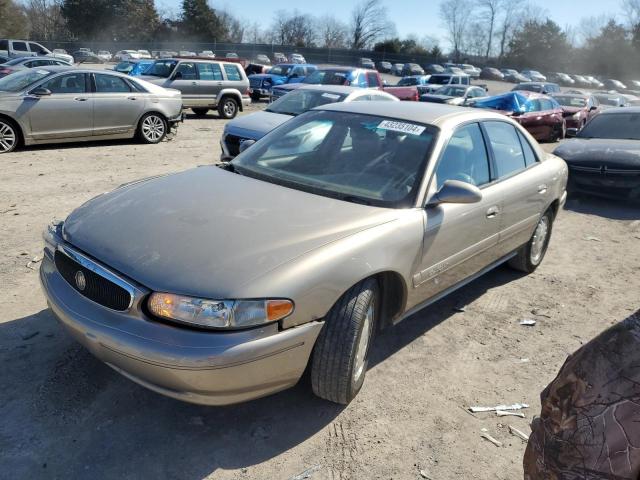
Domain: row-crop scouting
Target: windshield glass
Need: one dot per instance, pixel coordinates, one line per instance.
(439, 80)
(299, 101)
(140, 68)
(452, 91)
(607, 100)
(568, 101)
(354, 157)
(161, 68)
(531, 87)
(327, 77)
(16, 82)
(408, 82)
(618, 126)
(280, 70)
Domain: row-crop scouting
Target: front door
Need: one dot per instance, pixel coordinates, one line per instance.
(459, 239)
(66, 113)
(210, 83)
(185, 79)
(117, 106)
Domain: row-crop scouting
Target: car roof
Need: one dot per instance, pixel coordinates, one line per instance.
(570, 95)
(332, 88)
(71, 68)
(431, 114)
(613, 111)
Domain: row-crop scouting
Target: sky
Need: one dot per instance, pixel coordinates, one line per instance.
(418, 17)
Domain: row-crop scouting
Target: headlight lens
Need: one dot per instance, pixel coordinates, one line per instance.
(218, 313)
(576, 116)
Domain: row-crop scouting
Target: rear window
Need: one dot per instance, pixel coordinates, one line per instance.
(233, 73)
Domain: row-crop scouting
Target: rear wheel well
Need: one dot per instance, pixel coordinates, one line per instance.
(236, 97)
(10, 120)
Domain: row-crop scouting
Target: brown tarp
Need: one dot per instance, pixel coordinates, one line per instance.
(589, 427)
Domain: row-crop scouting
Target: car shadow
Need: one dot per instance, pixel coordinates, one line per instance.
(68, 415)
(603, 207)
(72, 145)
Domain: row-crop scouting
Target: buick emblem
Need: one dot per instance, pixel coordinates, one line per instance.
(81, 281)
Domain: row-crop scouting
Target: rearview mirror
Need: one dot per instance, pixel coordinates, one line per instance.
(41, 92)
(246, 144)
(455, 191)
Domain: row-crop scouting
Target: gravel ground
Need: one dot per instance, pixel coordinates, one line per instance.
(67, 415)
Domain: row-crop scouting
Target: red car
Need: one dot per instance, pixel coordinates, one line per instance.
(540, 114)
(578, 110)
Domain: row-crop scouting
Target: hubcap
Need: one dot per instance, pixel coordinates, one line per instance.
(153, 128)
(229, 108)
(7, 137)
(363, 344)
(539, 240)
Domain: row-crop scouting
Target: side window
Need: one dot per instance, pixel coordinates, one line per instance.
(186, 71)
(373, 80)
(529, 155)
(35, 48)
(545, 105)
(506, 148)
(111, 84)
(209, 71)
(455, 80)
(70, 83)
(233, 74)
(533, 106)
(464, 158)
(4, 44)
(20, 46)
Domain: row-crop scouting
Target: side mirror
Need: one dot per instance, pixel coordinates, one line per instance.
(41, 92)
(593, 107)
(455, 191)
(246, 144)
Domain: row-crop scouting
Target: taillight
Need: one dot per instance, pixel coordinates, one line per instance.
(416, 97)
(5, 71)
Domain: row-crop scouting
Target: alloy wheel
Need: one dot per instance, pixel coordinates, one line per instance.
(539, 241)
(8, 137)
(153, 128)
(229, 108)
(363, 344)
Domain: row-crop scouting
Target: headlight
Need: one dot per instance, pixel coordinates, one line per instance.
(218, 313)
(576, 116)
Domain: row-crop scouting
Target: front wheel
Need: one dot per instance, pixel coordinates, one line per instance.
(153, 128)
(200, 112)
(228, 108)
(8, 136)
(530, 256)
(341, 354)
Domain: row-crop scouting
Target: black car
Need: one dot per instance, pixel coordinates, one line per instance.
(82, 56)
(490, 73)
(384, 67)
(538, 87)
(433, 68)
(412, 69)
(604, 157)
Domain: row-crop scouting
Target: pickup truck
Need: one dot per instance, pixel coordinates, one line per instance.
(438, 80)
(407, 88)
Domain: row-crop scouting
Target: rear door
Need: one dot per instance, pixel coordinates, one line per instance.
(210, 83)
(66, 113)
(117, 106)
(522, 181)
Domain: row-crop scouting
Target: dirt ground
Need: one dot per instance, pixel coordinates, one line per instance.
(66, 415)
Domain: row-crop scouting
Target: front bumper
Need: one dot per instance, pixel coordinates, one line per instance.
(212, 368)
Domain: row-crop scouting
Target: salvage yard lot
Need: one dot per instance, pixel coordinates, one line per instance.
(67, 415)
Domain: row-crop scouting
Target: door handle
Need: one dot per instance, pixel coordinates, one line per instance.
(80, 99)
(219, 83)
(132, 98)
(542, 189)
(194, 83)
(493, 212)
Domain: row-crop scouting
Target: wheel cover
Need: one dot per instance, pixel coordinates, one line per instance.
(539, 240)
(363, 344)
(153, 128)
(8, 137)
(229, 108)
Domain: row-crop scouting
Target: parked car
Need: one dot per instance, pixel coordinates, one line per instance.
(82, 56)
(455, 95)
(581, 82)
(205, 84)
(297, 58)
(134, 68)
(263, 59)
(545, 88)
(187, 53)
(470, 70)
(279, 57)
(433, 68)
(407, 87)
(441, 79)
(513, 76)
(22, 48)
(207, 54)
(541, 115)
(17, 64)
(345, 76)
(261, 84)
(413, 80)
(66, 104)
(60, 51)
(454, 71)
(123, 55)
(105, 55)
(489, 73)
(145, 54)
(4, 59)
(534, 76)
(257, 125)
(561, 79)
(577, 110)
(611, 100)
(231, 55)
(595, 83)
(412, 69)
(612, 84)
(340, 196)
(367, 63)
(396, 69)
(604, 158)
(384, 67)
(635, 84)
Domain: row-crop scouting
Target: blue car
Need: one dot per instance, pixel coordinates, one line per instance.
(133, 67)
(260, 85)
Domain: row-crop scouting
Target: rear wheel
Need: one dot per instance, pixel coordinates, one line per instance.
(341, 354)
(559, 131)
(530, 256)
(255, 97)
(153, 128)
(9, 136)
(200, 112)
(228, 108)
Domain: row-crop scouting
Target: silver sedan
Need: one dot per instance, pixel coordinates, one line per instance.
(66, 104)
(223, 283)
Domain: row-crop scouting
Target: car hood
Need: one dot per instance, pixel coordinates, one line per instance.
(207, 232)
(436, 98)
(259, 123)
(600, 152)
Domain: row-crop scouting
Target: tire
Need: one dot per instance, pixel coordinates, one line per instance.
(228, 108)
(200, 112)
(255, 97)
(559, 132)
(152, 128)
(530, 256)
(9, 136)
(341, 353)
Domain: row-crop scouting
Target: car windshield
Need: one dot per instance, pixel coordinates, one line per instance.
(408, 81)
(299, 101)
(567, 101)
(327, 77)
(451, 91)
(21, 80)
(439, 80)
(358, 158)
(280, 70)
(618, 126)
(140, 68)
(161, 68)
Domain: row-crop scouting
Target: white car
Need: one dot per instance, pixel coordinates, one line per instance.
(105, 55)
(123, 55)
(207, 54)
(297, 58)
(144, 54)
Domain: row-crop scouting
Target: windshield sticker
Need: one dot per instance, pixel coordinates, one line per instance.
(331, 96)
(402, 127)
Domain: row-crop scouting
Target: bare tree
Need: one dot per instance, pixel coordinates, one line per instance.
(233, 27)
(332, 33)
(590, 27)
(369, 22)
(293, 29)
(45, 18)
(489, 15)
(455, 15)
(631, 9)
(515, 13)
